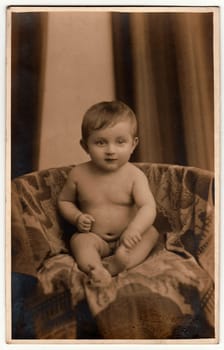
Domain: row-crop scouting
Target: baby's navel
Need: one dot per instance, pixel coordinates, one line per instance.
(111, 235)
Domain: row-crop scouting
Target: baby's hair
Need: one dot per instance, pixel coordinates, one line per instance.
(107, 113)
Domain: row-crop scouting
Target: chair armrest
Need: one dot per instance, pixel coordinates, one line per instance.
(185, 209)
(22, 254)
(37, 229)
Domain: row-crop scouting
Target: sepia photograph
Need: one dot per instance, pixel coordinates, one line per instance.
(113, 169)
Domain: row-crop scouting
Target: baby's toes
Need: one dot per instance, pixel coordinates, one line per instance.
(100, 277)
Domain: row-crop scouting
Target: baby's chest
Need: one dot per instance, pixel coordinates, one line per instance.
(101, 193)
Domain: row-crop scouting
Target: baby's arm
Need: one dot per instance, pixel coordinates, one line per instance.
(68, 208)
(146, 212)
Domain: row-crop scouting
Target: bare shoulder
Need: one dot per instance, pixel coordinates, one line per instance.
(78, 172)
(135, 172)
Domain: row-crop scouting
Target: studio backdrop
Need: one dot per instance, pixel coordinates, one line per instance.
(161, 64)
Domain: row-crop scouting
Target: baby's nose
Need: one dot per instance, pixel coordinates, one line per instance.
(110, 149)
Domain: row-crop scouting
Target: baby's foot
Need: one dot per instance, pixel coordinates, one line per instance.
(99, 277)
(118, 262)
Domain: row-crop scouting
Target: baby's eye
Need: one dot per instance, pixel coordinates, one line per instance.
(121, 141)
(100, 142)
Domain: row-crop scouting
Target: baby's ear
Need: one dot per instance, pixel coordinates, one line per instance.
(84, 145)
(135, 142)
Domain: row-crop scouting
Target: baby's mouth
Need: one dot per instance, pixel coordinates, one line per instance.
(110, 159)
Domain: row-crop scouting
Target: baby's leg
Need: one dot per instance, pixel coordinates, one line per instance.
(88, 248)
(126, 258)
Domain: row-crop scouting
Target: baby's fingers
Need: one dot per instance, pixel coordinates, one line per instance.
(86, 225)
(134, 241)
(83, 229)
(138, 238)
(129, 243)
(90, 218)
(86, 221)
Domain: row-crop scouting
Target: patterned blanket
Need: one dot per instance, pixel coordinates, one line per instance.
(169, 295)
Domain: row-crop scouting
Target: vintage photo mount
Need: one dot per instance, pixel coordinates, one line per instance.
(216, 55)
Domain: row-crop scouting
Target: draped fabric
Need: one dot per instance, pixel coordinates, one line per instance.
(164, 71)
(169, 295)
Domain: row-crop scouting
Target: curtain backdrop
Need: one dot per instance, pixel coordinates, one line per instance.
(164, 71)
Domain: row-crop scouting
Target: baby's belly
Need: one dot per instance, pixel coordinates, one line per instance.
(111, 221)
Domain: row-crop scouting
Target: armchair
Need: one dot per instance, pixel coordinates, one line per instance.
(169, 296)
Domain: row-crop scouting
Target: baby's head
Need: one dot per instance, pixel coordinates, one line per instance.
(107, 114)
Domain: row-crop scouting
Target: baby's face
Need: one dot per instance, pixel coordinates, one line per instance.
(111, 148)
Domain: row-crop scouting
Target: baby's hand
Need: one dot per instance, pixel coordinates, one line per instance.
(131, 238)
(84, 222)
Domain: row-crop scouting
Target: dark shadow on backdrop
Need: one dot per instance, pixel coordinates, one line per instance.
(26, 64)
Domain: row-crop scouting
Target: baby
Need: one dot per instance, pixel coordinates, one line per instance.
(108, 199)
